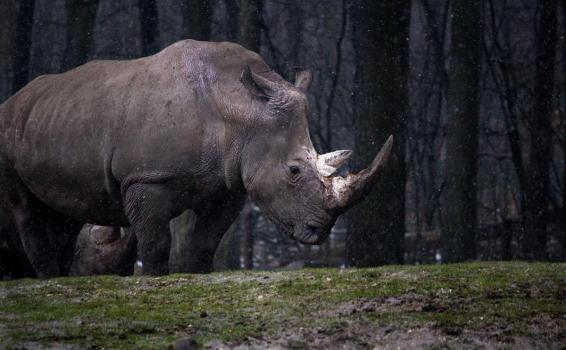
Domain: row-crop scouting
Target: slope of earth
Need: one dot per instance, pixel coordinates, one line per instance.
(476, 305)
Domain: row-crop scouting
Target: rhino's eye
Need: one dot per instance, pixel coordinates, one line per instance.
(295, 170)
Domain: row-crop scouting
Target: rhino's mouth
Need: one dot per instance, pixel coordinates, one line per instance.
(285, 226)
(310, 233)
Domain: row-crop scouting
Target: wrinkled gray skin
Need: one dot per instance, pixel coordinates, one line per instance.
(134, 143)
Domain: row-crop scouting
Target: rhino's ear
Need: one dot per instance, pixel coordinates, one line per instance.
(257, 85)
(328, 163)
(303, 79)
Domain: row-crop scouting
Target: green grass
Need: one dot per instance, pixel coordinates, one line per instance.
(145, 312)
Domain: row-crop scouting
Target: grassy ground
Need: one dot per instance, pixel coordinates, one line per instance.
(493, 305)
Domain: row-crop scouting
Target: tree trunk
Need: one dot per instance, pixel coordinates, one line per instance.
(506, 240)
(247, 245)
(377, 225)
(227, 255)
(8, 14)
(149, 20)
(232, 12)
(534, 240)
(249, 24)
(196, 19)
(80, 37)
(462, 133)
(22, 54)
(563, 122)
(181, 227)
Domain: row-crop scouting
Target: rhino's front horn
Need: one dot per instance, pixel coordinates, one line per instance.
(347, 191)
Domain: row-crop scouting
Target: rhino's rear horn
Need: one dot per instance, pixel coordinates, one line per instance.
(328, 163)
(347, 191)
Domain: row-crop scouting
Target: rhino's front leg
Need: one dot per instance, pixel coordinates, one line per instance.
(211, 225)
(149, 208)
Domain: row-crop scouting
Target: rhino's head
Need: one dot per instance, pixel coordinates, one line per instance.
(292, 184)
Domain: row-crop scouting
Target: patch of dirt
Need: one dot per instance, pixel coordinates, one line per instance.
(52, 346)
(352, 335)
(151, 283)
(404, 303)
(346, 335)
(408, 302)
(244, 277)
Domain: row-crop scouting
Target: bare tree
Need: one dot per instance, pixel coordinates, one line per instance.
(462, 132)
(196, 19)
(80, 28)
(232, 11)
(377, 225)
(8, 13)
(22, 47)
(249, 23)
(563, 124)
(149, 20)
(428, 82)
(181, 227)
(537, 190)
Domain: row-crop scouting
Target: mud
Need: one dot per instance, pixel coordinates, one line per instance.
(352, 333)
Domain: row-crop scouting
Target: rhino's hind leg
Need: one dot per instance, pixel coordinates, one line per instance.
(68, 230)
(35, 240)
(14, 262)
(149, 208)
(47, 237)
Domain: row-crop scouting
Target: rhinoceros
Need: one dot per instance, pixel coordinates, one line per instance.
(134, 143)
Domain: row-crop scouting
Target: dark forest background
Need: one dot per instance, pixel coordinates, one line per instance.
(473, 90)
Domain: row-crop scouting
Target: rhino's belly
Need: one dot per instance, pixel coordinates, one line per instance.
(65, 167)
(76, 188)
(87, 204)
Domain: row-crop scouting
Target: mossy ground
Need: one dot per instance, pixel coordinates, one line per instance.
(460, 305)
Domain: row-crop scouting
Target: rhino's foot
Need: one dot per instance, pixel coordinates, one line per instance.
(200, 262)
(155, 269)
(47, 271)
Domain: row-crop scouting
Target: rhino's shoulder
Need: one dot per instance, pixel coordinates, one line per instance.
(223, 57)
(222, 49)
